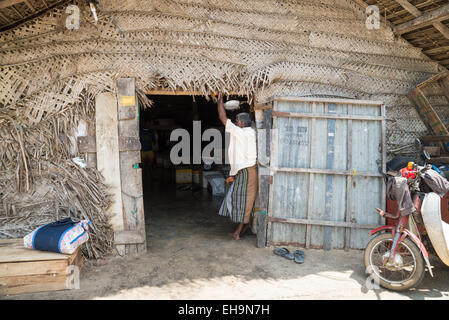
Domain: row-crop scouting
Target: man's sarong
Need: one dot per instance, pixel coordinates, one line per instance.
(238, 203)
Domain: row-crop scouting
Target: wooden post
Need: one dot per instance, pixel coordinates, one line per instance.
(91, 156)
(263, 175)
(108, 156)
(348, 179)
(271, 154)
(383, 193)
(131, 174)
(329, 210)
(311, 176)
(427, 113)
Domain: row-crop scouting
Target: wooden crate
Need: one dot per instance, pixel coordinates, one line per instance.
(433, 151)
(26, 270)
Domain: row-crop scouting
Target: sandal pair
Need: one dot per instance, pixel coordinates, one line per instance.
(298, 255)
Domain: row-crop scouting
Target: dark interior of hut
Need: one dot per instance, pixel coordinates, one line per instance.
(182, 200)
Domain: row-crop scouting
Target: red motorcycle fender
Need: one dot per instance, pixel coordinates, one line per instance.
(374, 231)
(421, 247)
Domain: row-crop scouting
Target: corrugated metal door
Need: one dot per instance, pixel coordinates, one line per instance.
(325, 162)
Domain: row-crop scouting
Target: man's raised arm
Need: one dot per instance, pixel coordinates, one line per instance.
(221, 109)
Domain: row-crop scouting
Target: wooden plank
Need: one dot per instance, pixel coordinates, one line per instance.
(131, 177)
(79, 261)
(73, 258)
(91, 157)
(324, 223)
(309, 209)
(417, 13)
(267, 123)
(132, 193)
(19, 261)
(9, 269)
(437, 50)
(9, 3)
(127, 99)
(427, 113)
(271, 153)
(329, 210)
(330, 100)
(128, 237)
(16, 281)
(127, 113)
(436, 160)
(401, 14)
(348, 180)
(263, 124)
(129, 144)
(108, 159)
(327, 171)
(12, 250)
(427, 18)
(442, 29)
(383, 191)
(263, 106)
(264, 186)
(311, 177)
(433, 79)
(35, 287)
(409, 7)
(263, 177)
(261, 229)
(87, 144)
(325, 116)
(444, 138)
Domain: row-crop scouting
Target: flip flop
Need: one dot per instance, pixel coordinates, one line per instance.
(284, 252)
(299, 256)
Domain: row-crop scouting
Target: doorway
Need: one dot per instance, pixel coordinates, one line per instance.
(182, 200)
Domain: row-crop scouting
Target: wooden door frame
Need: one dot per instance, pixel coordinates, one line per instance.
(129, 236)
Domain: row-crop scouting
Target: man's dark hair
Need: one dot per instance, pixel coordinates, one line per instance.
(245, 118)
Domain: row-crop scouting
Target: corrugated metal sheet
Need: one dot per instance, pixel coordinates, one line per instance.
(334, 144)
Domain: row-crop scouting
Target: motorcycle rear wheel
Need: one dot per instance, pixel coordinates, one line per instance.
(404, 278)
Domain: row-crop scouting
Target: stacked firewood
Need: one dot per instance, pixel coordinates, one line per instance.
(40, 183)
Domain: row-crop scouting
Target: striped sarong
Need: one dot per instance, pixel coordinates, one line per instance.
(238, 203)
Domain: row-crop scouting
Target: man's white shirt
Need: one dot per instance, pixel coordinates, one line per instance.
(242, 150)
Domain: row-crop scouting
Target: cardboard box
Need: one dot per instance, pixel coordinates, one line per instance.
(183, 175)
(197, 176)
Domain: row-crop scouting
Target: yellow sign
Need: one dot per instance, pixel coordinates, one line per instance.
(127, 101)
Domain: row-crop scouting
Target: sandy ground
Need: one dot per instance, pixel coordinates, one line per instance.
(191, 256)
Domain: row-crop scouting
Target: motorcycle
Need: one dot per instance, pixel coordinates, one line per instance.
(398, 255)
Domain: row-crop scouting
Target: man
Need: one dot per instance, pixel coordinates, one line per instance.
(238, 204)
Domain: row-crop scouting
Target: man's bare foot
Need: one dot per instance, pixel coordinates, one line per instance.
(236, 236)
(244, 229)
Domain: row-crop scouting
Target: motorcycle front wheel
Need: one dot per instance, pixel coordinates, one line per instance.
(405, 272)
